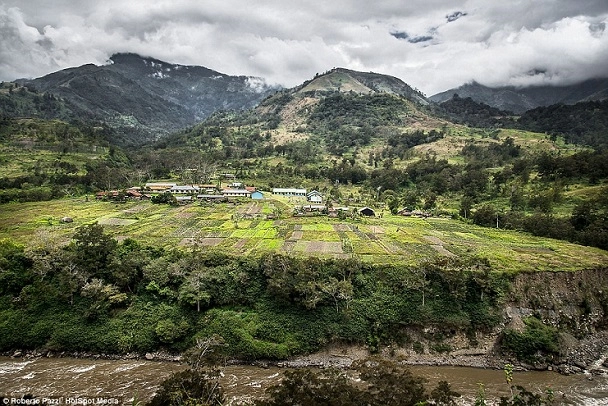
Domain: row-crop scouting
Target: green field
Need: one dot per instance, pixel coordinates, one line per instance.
(391, 239)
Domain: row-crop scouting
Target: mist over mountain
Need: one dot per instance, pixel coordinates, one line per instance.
(518, 100)
(149, 96)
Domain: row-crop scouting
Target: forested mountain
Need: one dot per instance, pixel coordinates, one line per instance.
(475, 114)
(518, 100)
(146, 98)
(583, 123)
(337, 112)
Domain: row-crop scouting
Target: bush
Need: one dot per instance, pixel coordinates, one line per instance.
(538, 342)
(191, 388)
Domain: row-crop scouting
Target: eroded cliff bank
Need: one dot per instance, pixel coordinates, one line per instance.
(573, 305)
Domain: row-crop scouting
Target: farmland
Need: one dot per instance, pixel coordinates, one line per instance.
(242, 228)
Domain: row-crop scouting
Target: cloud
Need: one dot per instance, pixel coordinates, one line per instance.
(455, 16)
(432, 44)
(412, 40)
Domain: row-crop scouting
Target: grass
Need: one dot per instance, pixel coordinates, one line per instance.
(387, 240)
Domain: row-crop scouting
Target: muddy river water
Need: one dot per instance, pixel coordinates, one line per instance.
(86, 378)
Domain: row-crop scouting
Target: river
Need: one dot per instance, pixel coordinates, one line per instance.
(69, 377)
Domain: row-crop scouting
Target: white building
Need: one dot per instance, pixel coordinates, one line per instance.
(184, 189)
(289, 192)
(236, 193)
(314, 197)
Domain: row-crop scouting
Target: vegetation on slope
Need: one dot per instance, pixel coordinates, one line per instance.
(100, 295)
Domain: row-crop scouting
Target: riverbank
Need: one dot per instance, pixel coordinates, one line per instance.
(587, 356)
(140, 379)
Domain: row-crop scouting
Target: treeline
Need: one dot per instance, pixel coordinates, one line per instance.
(67, 177)
(26, 101)
(587, 225)
(97, 294)
(356, 110)
(582, 123)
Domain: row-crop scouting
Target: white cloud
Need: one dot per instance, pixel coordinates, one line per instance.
(518, 42)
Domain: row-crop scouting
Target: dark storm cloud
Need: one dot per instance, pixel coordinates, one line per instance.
(412, 40)
(400, 34)
(431, 44)
(455, 16)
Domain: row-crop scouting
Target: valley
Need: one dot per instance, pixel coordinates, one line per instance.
(437, 230)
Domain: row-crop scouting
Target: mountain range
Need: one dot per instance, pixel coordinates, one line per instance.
(144, 99)
(519, 100)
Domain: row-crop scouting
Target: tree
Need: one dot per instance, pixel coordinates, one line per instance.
(444, 395)
(303, 387)
(205, 351)
(190, 388)
(164, 198)
(102, 296)
(71, 279)
(193, 289)
(93, 249)
(46, 254)
(390, 384)
(338, 290)
(466, 203)
(15, 268)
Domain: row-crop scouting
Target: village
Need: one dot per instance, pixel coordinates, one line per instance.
(304, 203)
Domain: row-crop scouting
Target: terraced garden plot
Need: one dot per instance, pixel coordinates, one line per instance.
(113, 221)
(206, 223)
(210, 241)
(403, 235)
(318, 247)
(296, 235)
(389, 246)
(216, 233)
(373, 229)
(250, 209)
(266, 233)
(390, 239)
(318, 227)
(240, 244)
(320, 236)
(341, 227)
(269, 244)
(288, 246)
(368, 248)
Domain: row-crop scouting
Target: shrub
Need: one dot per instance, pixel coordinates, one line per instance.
(535, 344)
(190, 387)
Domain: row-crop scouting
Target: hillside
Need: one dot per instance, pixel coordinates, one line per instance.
(583, 123)
(146, 98)
(518, 100)
(338, 110)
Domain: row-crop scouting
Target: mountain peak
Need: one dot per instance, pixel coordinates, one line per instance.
(146, 97)
(129, 57)
(346, 81)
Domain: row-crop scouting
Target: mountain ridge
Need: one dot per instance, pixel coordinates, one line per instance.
(133, 92)
(518, 100)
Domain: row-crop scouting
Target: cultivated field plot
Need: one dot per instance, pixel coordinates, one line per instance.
(391, 239)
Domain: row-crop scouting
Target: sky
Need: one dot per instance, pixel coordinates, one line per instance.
(433, 45)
